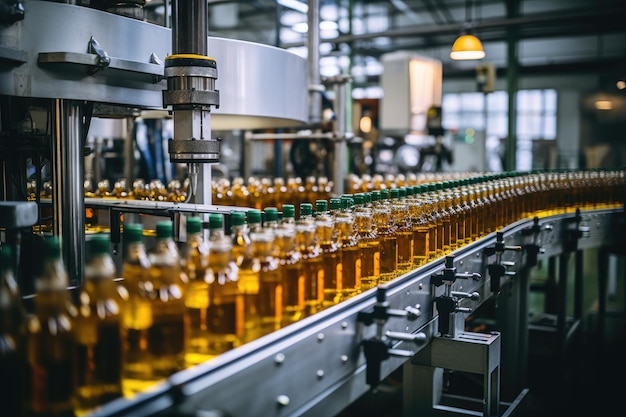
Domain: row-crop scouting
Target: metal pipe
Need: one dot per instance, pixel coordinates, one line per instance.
(189, 22)
(497, 23)
(315, 83)
(67, 171)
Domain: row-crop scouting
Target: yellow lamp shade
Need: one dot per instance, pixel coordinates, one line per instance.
(467, 47)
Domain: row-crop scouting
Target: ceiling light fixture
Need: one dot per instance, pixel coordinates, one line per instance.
(467, 46)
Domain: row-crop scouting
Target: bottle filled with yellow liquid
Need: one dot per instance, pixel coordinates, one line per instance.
(403, 229)
(419, 225)
(195, 263)
(349, 250)
(325, 227)
(99, 330)
(312, 267)
(368, 242)
(386, 234)
(13, 339)
(51, 345)
(293, 281)
(226, 310)
(268, 303)
(248, 266)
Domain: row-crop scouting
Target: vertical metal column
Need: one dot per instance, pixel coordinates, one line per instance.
(67, 171)
(315, 85)
(342, 135)
(511, 84)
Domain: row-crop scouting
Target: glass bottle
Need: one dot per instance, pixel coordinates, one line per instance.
(403, 230)
(270, 220)
(225, 315)
(349, 250)
(248, 267)
(325, 226)
(419, 224)
(99, 332)
(312, 267)
(292, 275)
(51, 344)
(368, 242)
(387, 237)
(13, 339)
(195, 263)
(269, 301)
(137, 313)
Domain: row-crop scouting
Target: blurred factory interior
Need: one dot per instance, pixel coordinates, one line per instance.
(370, 92)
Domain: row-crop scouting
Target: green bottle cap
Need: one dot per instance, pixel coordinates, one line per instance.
(306, 209)
(133, 233)
(216, 221)
(99, 244)
(254, 216)
(335, 203)
(347, 203)
(271, 214)
(289, 210)
(359, 199)
(164, 229)
(432, 187)
(6, 257)
(384, 194)
(395, 193)
(194, 225)
(52, 248)
(321, 206)
(237, 218)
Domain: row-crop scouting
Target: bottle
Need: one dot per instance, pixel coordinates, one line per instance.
(419, 224)
(254, 220)
(225, 315)
(349, 250)
(13, 339)
(269, 300)
(248, 267)
(292, 279)
(52, 347)
(137, 313)
(387, 237)
(368, 242)
(169, 333)
(403, 229)
(195, 263)
(99, 332)
(325, 226)
(312, 267)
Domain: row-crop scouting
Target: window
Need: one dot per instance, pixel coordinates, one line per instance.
(536, 119)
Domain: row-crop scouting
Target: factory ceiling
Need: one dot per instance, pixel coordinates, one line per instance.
(550, 36)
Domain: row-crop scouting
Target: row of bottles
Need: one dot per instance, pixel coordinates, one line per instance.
(178, 305)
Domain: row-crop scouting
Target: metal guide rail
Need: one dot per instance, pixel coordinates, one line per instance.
(317, 366)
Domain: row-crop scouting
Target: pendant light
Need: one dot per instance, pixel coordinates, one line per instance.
(467, 46)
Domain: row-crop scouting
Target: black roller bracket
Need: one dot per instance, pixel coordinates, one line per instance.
(448, 303)
(533, 249)
(575, 229)
(498, 269)
(380, 347)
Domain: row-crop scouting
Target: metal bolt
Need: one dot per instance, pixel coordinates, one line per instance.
(282, 400)
(320, 373)
(344, 325)
(420, 286)
(320, 337)
(279, 358)
(344, 358)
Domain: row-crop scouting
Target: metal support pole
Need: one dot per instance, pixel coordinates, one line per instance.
(512, 86)
(67, 199)
(341, 132)
(315, 84)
